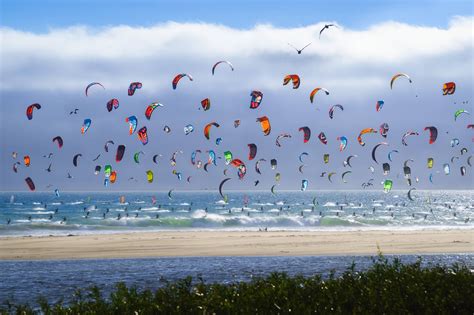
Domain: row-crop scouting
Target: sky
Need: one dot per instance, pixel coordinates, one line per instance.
(50, 59)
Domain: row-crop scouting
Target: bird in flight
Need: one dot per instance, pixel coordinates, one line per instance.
(48, 155)
(69, 175)
(327, 26)
(299, 51)
(74, 111)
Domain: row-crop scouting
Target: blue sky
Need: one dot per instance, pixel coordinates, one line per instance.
(40, 16)
(51, 52)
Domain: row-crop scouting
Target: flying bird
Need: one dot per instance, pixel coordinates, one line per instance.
(69, 175)
(74, 111)
(48, 155)
(299, 51)
(327, 26)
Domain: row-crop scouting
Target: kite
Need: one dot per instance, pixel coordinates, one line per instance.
(120, 153)
(149, 176)
(59, 141)
(459, 112)
(375, 148)
(449, 88)
(133, 87)
(29, 110)
(257, 165)
(206, 104)
(106, 146)
(256, 99)
(343, 143)
(433, 133)
(397, 76)
(294, 78)
(30, 183)
(379, 105)
(331, 110)
(283, 135)
(304, 184)
(383, 129)
(86, 125)
(265, 124)
(132, 121)
(224, 197)
(363, 132)
(178, 78)
(188, 129)
(113, 103)
(408, 133)
(136, 156)
(306, 133)
(92, 84)
(207, 128)
(27, 160)
(150, 108)
(142, 135)
(252, 151)
(219, 62)
(315, 91)
(74, 159)
(322, 138)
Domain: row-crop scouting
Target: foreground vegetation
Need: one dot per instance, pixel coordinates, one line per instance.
(387, 287)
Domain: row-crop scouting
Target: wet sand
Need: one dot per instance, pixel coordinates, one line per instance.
(229, 243)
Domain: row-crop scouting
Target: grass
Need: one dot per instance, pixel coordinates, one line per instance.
(387, 287)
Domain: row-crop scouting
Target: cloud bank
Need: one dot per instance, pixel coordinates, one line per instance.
(354, 65)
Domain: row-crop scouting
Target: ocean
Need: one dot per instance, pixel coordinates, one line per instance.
(91, 213)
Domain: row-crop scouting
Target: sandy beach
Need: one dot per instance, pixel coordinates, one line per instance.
(229, 243)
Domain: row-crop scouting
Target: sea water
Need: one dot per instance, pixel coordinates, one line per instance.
(82, 213)
(25, 281)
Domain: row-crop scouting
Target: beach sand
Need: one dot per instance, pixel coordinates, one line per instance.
(229, 243)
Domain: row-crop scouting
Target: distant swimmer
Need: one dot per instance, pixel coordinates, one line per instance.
(157, 216)
(119, 216)
(205, 210)
(8, 221)
(56, 210)
(107, 210)
(103, 215)
(189, 208)
(454, 214)
(426, 216)
(299, 51)
(248, 213)
(466, 220)
(126, 214)
(301, 213)
(139, 208)
(337, 213)
(159, 206)
(63, 220)
(230, 212)
(340, 208)
(136, 215)
(353, 214)
(29, 218)
(320, 213)
(312, 209)
(50, 217)
(261, 208)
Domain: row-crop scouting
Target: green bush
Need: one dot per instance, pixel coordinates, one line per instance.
(385, 288)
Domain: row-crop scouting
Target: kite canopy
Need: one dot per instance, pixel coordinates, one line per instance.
(265, 124)
(294, 78)
(29, 110)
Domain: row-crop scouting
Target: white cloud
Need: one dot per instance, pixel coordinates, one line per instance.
(117, 55)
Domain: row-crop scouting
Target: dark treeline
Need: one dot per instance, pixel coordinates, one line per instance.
(388, 287)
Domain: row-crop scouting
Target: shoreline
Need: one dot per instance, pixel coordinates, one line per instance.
(236, 243)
